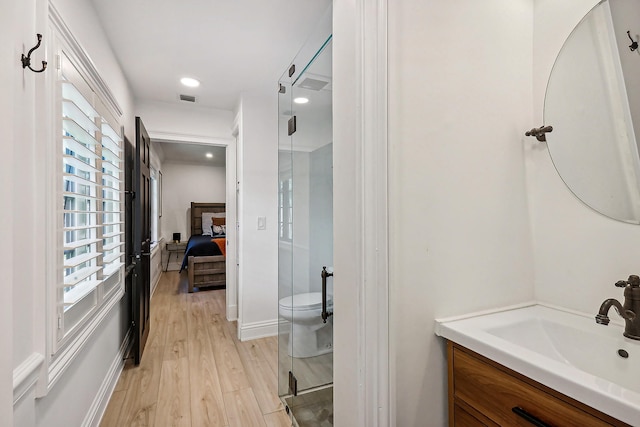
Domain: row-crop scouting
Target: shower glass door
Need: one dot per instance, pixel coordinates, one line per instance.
(305, 187)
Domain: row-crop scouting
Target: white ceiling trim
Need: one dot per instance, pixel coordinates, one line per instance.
(183, 137)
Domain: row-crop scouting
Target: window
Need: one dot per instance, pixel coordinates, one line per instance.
(154, 199)
(90, 225)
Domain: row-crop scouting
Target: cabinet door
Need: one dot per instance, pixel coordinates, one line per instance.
(463, 418)
(495, 392)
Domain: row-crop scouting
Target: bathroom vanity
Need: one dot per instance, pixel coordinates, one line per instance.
(539, 365)
(485, 393)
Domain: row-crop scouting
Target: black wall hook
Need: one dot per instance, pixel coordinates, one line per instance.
(26, 60)
(634, 44)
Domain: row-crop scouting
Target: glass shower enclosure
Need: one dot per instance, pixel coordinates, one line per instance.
(305, 250)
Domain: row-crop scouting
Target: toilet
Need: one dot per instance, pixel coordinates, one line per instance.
(311, 337)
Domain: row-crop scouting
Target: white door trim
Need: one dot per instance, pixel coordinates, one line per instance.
(376, 356)
(232, 294)
(361, 284)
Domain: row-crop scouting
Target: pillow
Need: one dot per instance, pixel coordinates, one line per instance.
(219, 230)
(208, 219)
(206, 223)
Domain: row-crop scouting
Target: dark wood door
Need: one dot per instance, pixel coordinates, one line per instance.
(141, 242)
(129, 219)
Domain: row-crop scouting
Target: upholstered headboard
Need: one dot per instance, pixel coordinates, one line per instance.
(197, 209)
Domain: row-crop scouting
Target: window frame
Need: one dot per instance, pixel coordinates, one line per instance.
(64, 344)
(155, 196)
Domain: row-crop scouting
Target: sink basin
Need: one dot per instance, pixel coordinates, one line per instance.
(565, 350)
(593, 351)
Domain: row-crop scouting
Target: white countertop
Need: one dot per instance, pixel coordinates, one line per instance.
(562, 349)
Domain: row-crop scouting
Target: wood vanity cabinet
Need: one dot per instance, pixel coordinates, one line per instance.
(485, 393)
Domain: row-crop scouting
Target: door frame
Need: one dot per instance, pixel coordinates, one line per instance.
(232, 294)
(361, 227)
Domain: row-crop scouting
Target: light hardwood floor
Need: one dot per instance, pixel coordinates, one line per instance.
(194, 371)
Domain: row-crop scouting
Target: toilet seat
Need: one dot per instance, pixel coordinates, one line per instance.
(304, 302)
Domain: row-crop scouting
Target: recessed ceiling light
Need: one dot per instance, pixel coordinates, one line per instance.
(209, 155)
(189, 82)
(301, 100)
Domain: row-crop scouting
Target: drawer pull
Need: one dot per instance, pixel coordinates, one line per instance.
(527, 416)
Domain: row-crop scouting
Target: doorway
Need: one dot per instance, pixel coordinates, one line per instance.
(197, 172)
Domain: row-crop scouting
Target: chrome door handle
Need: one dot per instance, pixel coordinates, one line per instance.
(325, 313)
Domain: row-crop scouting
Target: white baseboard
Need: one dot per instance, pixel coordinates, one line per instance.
(99, 405)
(252, 331)
(232, 313)
(155, 284)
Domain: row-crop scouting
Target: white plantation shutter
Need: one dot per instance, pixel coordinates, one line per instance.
(112, 203)
(92, 231)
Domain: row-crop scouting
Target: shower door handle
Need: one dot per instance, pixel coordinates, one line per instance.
(325, 313)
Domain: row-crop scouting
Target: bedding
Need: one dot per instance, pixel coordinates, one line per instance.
(209, 219)
(222, 244)
(209, 231)
(200, 245)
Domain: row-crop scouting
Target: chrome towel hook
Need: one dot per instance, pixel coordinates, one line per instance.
(26, 60)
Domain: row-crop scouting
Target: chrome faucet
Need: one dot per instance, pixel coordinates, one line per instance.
(630, 311)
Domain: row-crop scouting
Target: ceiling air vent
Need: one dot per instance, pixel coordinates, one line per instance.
(312, 84)
(187, 98)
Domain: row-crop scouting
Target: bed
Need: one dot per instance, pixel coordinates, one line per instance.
(204, 257)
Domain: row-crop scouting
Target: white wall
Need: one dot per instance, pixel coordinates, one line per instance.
(459, 103)
(579, 253)
(25, 105)
(347, 336)
(29, 280)
(185, 183)
(8, 72)
(258, 177)
(69, 403)
(189, 121)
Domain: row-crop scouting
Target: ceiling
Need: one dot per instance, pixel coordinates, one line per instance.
(229, 45)
(191, 154)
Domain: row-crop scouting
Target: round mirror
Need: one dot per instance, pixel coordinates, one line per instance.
(593, 103)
